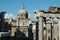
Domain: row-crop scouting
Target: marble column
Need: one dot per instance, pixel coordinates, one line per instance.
(40, 29)
(48, 28)
(45, 34)
(52, 29)
(55, 31)
(34, 35)
(59, 28)
(34, 31)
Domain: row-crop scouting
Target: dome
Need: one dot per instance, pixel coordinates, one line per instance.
(23, 13)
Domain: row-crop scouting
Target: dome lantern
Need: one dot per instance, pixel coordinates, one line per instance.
(23, 7)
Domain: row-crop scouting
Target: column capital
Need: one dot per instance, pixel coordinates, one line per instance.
(51, 17)
(58, 17)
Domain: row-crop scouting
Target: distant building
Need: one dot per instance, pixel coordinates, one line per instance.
(23, 20)
(2, 21)
(4, 27)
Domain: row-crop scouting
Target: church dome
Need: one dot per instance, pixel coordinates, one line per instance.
(23, 13)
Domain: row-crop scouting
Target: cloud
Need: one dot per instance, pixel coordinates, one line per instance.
(32, 16)
(13, 16)
(55, 20)
(10, 16)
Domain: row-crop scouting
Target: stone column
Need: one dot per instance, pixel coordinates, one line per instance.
(52, 29)
(40, 29)
(18, 27)
(55, 31)
(34, 35)
(45, 34)
(48, 28)
(59, 28)
(34, 31)
(37, 27)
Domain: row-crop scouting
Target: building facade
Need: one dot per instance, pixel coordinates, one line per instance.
(23, 20)
(44, 28)
(48, 28)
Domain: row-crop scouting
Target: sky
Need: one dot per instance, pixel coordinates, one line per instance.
(13, 6)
